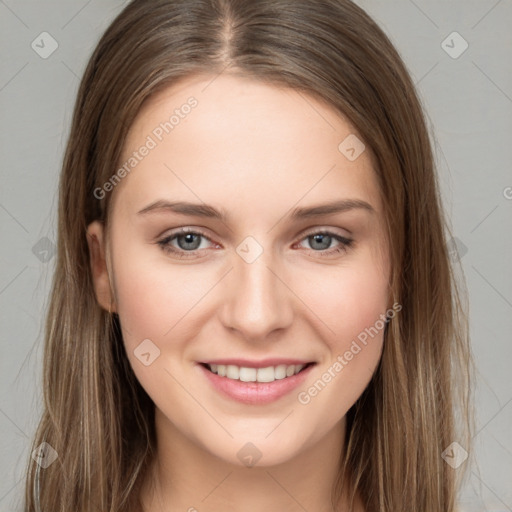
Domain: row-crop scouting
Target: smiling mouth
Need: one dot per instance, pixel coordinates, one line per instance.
(263, 375)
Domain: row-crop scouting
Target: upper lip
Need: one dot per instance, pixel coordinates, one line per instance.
(264, 363)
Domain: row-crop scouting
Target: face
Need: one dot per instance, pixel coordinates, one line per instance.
(250, 277)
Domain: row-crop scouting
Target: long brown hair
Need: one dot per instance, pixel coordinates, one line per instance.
(96, 415)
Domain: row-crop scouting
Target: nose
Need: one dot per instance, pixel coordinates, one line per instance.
(258, 300)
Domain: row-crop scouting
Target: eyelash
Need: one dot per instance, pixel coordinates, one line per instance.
(345, 243)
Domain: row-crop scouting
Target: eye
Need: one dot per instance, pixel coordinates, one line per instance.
(189, 243)
(321, 240)
(188, 240)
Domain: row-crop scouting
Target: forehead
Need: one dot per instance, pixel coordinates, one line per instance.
(228, 137)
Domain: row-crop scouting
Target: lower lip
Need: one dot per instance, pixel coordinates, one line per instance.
(256, 393)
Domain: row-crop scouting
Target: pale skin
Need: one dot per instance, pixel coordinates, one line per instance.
(256, 152)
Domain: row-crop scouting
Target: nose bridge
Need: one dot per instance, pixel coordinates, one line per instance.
(257, 301)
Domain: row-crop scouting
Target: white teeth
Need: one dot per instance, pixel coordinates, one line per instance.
(248, 374)
(245, 374)
(232, 372)
(280, 371)
(265, 374)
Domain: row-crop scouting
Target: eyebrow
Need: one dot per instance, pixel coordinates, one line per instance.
(205, 210)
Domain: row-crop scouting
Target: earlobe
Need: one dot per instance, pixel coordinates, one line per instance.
(99, 268)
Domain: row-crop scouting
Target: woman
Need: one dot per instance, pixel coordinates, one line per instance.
(256, 369)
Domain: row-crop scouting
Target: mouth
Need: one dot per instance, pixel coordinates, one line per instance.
(255, 383)
(260, 374)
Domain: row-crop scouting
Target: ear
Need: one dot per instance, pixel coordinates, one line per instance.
(99, 269)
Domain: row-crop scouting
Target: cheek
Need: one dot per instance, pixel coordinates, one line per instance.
(349, 300)
(154, 299)
(353, 304)
(363, 301)
(157, 302)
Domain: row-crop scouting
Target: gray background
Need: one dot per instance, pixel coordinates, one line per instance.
(469, 103)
